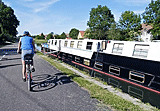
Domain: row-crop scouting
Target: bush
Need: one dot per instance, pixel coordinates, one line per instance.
(39, 37)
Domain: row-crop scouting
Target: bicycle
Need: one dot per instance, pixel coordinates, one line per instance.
(28, 61)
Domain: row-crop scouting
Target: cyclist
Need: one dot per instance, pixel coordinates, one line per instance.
(26, 44)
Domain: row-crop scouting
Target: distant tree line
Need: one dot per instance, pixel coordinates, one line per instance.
(50, 36)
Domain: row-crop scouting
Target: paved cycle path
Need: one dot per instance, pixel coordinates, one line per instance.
(49, 94)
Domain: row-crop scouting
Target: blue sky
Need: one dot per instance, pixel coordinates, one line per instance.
(45, 16)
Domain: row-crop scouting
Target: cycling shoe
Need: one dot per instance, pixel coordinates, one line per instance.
(24, 79)
(33, 69)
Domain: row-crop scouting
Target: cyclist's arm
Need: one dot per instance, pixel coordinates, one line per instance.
(34, 48)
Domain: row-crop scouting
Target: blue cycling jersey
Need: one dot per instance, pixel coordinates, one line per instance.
(26, 43)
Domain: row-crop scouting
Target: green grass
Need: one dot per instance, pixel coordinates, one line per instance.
(96, 91)
(39, 41)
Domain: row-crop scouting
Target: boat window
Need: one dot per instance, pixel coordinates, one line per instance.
(103, 45)
(55, 42)
(52, 42)
(117, 48)
(86, 62)
(79, 45)
(69, 57)
(65, 43)
(136, 76)
(89, 45)
(98, 65)
(156, 41)
(77, 59)
(72, 44)
(141, 50)
(64, 55)
(114, 70)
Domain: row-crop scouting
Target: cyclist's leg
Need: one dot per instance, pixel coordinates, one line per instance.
(23, 69)
(32, 65)
(23, 66)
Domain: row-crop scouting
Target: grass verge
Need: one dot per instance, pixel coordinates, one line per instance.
(95, 91)
(39, 41)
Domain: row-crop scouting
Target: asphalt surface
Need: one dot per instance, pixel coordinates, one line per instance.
(49, 93)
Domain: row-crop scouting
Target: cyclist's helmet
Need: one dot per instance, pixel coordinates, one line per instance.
(26, 33)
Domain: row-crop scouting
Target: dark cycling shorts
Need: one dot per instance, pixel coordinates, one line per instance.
(24, 52)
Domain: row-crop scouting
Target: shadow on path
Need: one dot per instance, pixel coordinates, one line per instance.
(10, 59)
(45, 82)
(9, 65)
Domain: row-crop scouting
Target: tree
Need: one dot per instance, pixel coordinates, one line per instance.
(87, 33)
(63, 36)
(100, 21)
(57, 36)
(130, 24)
(38, 37)
(151, 16)
(42, 36)
(74, 33)
(8, 23)
(49, 36)
(114, 33)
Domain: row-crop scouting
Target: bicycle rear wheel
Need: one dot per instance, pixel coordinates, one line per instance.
(29, 82)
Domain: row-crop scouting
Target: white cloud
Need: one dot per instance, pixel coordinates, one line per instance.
(117, 14)
(139, 11)
(39, 6)
(37, 24)
(44, 5)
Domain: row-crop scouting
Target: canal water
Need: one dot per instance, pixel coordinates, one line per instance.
(38, 47)
(14, 50)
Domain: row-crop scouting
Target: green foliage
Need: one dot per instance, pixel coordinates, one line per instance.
(114, 33)
(74, 33)
(130, 24)
(151, 16)
(37, 37)
(57, 36)
(87, 33)
(50, 36)
(8, 23)
(33, 36)
(63, 35)
(40, 36)
(81, 38)
(100, 21)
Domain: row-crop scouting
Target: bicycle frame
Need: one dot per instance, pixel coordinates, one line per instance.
(28, 61)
